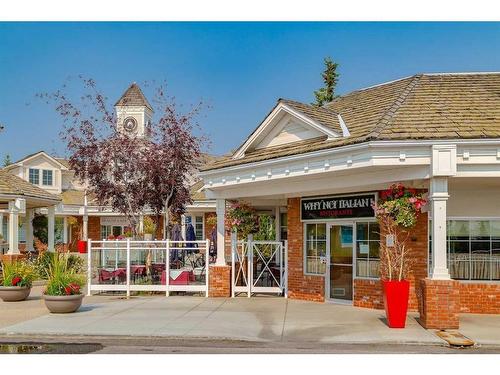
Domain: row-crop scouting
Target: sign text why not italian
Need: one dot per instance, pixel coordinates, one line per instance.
(338, 207)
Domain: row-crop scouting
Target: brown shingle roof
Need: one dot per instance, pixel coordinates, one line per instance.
(17, 187)
(133, 96)
(424, 106)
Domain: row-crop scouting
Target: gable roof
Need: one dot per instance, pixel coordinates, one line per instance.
(321, 119)
(15, 186)
(424, 106)
(133, 96)
(62, 162)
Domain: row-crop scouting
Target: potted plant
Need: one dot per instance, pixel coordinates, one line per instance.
(149, 228)
(242, 218)
(63, 292)
(397, 211)
(17, 280)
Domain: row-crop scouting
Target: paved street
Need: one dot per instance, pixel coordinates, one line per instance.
(201, 325)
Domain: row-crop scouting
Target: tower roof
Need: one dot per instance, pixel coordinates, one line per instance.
(133, 96)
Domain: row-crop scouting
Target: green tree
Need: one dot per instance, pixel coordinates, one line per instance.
(6, 160)
(330, 78)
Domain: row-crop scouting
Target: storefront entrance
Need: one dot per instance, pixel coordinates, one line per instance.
(339, 277)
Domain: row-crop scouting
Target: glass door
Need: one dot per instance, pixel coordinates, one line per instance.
(340, 262)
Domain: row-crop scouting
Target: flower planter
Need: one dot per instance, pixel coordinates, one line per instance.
(63, 304)
(148, 237)
(82, 246)
(396, 295)
(14, 293)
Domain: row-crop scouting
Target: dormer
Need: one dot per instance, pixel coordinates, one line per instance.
(133, 111)
(290, 122)
(41, 170)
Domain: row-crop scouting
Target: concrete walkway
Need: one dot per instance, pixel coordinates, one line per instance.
(268, 319)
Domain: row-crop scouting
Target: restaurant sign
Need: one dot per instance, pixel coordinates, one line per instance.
(338, 207)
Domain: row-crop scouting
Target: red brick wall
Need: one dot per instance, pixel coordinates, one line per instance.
(219, 281)
(440, 304)
(479, 298)
(94, 228)
(300, 286)
(368, 293)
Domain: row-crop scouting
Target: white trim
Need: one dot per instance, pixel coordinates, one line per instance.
(349, 148)
(281, 107)
(345, 129)
(20, 163)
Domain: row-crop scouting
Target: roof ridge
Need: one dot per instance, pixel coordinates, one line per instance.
(124, 98)
(387, 116)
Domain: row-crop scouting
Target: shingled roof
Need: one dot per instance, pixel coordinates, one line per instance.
(11, 185)
(424, 106)
(133, 96)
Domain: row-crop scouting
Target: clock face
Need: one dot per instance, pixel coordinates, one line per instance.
(130, 124)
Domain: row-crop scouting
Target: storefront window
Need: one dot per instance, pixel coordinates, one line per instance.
(315, 245)
(473, 249)
(367, 249)
(108, 231)
(197, 222)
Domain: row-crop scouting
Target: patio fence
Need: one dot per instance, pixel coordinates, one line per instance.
(135, 266)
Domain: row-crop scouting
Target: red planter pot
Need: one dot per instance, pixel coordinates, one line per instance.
(396, 295)
(82, 246)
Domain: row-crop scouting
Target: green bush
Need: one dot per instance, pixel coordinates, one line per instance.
(19, 273)
(44, 260)
(63, 280)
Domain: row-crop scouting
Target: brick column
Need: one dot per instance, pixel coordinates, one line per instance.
(219, 281)
(440, 304)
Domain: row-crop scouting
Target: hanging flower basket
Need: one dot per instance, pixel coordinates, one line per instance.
(242, 218)
(397, 212)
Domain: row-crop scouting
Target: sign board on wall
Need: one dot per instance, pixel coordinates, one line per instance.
(115, 220)
(338, 207)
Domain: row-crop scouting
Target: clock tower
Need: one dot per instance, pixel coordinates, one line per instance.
(133, 112)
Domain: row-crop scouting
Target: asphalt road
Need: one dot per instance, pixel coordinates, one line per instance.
(117, 345)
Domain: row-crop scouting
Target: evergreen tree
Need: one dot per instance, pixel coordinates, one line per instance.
(6, 160)
(330, 77)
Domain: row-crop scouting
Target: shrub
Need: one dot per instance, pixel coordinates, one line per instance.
(19, 273)
(43, 261)
(63, 281)
(149, 225)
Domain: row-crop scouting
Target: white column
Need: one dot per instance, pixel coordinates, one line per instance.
(65, 230)
(29, 229)
(85, 229)
(51, 227)
(13, 228)
(141, 225)
(1, 224)
(183, 226)
(438, 197)
(221, 213)
(277, 223)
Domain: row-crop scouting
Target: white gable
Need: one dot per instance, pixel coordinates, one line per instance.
(287, 131)
(282, 126)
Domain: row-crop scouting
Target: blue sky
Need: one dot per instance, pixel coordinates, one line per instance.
(240, 69)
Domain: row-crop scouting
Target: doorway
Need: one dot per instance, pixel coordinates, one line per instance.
(339, 278)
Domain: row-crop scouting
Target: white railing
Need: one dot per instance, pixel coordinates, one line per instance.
(159, 266)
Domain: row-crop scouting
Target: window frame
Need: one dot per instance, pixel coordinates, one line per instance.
(430, 249)
(355, 250)
(304, 247)
(37, 170)
(46, 172)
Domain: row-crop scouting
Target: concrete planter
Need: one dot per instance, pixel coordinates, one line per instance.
(63, 304)
(14, 293)
(148, 237)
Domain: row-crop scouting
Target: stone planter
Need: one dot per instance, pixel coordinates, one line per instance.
(148, 237)
(63, 304)
(14, 293)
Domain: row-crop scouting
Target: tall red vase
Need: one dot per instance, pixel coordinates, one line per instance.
(81, 246)
(396, 295)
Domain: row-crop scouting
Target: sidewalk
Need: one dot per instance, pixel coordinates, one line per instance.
(266, 319)
(257, 319)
